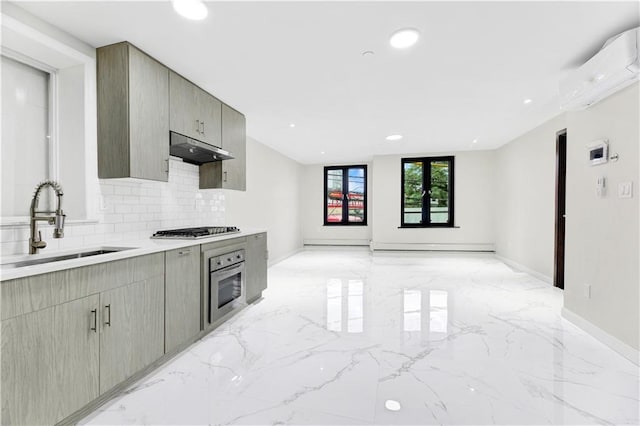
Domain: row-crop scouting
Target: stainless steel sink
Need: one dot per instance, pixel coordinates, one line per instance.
(69, 256)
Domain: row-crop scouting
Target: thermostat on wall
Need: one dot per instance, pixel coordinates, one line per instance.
(598, 151)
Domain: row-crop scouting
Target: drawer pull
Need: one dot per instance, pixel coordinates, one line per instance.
(184, 252)
(95, 321)
(108, 321)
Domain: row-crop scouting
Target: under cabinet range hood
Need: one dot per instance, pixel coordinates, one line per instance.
(194, 151)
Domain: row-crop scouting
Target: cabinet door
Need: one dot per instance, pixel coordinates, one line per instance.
(148, 117)
(132, 330)
(49, 363)
(256, 265)
(210, 117)
(133, 114)
(112, 63)
(182, 296)
(184, 106)
(234, 140)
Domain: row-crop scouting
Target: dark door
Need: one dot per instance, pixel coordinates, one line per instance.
(561, 186)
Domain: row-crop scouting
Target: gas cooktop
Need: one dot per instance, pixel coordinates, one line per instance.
(195, 233)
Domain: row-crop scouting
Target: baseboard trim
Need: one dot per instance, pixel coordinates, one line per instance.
(279, 259)
(614, 343)
(520, 267)
(482, 247)
(335, 242)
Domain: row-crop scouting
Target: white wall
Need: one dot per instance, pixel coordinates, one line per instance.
(602, 233)
(525, 198)
(271, 200)
(312, 211)
(71, 153)
(473, 206)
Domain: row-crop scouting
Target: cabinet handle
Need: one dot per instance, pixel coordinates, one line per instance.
(225, 177)
(184, 252)
(108, 321)
(95, 321)
(198, 126)
(167, 169)
(202, 122)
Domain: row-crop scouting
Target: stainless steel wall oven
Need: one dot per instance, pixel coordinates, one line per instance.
(226, 284)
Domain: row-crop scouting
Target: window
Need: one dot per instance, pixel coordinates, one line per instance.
(427, 192)
(48, 120)
(27, 150)
(345, 189)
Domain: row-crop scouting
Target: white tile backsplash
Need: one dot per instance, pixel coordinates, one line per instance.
(133, 209)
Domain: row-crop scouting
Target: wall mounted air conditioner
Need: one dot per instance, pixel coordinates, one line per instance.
(614, 67)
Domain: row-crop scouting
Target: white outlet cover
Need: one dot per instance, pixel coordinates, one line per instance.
(625, 190)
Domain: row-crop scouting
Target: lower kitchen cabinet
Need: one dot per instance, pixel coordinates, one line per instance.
(69, 336)
(132, 330)
(182, 296)
(72, 335)
(50, 362)
(256, 264)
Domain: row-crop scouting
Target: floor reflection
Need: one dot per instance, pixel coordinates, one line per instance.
(425, 310)
(412, 309)
(438, 311)
(345, 304)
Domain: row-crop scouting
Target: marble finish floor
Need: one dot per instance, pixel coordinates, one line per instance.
(347, 337)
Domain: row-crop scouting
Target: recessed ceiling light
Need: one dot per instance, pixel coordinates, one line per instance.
(527, 101)
(368, 53)
(404, 38)
(190, 9)
(322, 152)
(292, 125)
(392, 405)
(393, 137)
(475, 141)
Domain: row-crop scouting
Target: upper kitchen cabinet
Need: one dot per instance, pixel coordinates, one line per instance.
(229, 174)
(194, 112)
(133, 114)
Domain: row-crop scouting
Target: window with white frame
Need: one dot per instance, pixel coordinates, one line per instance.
(27, 149)
(48, 119)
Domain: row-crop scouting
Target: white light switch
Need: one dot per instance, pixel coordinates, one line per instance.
(600, 187)
(586, 291)
(625, 190)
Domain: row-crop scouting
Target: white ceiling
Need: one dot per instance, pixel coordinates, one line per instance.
(302, 63)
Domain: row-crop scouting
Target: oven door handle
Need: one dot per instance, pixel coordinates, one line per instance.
(228, 271)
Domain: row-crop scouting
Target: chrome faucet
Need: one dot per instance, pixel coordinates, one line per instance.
(56, 217)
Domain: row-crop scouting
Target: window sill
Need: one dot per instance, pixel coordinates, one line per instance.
(428, 226)
(345, 224)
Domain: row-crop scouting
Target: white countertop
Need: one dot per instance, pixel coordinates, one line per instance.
(128, 249)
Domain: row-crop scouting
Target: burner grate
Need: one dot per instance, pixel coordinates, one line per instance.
(192, 233)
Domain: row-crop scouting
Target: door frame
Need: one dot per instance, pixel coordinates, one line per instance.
(560, 209)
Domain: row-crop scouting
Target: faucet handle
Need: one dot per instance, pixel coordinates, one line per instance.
(39, 244)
